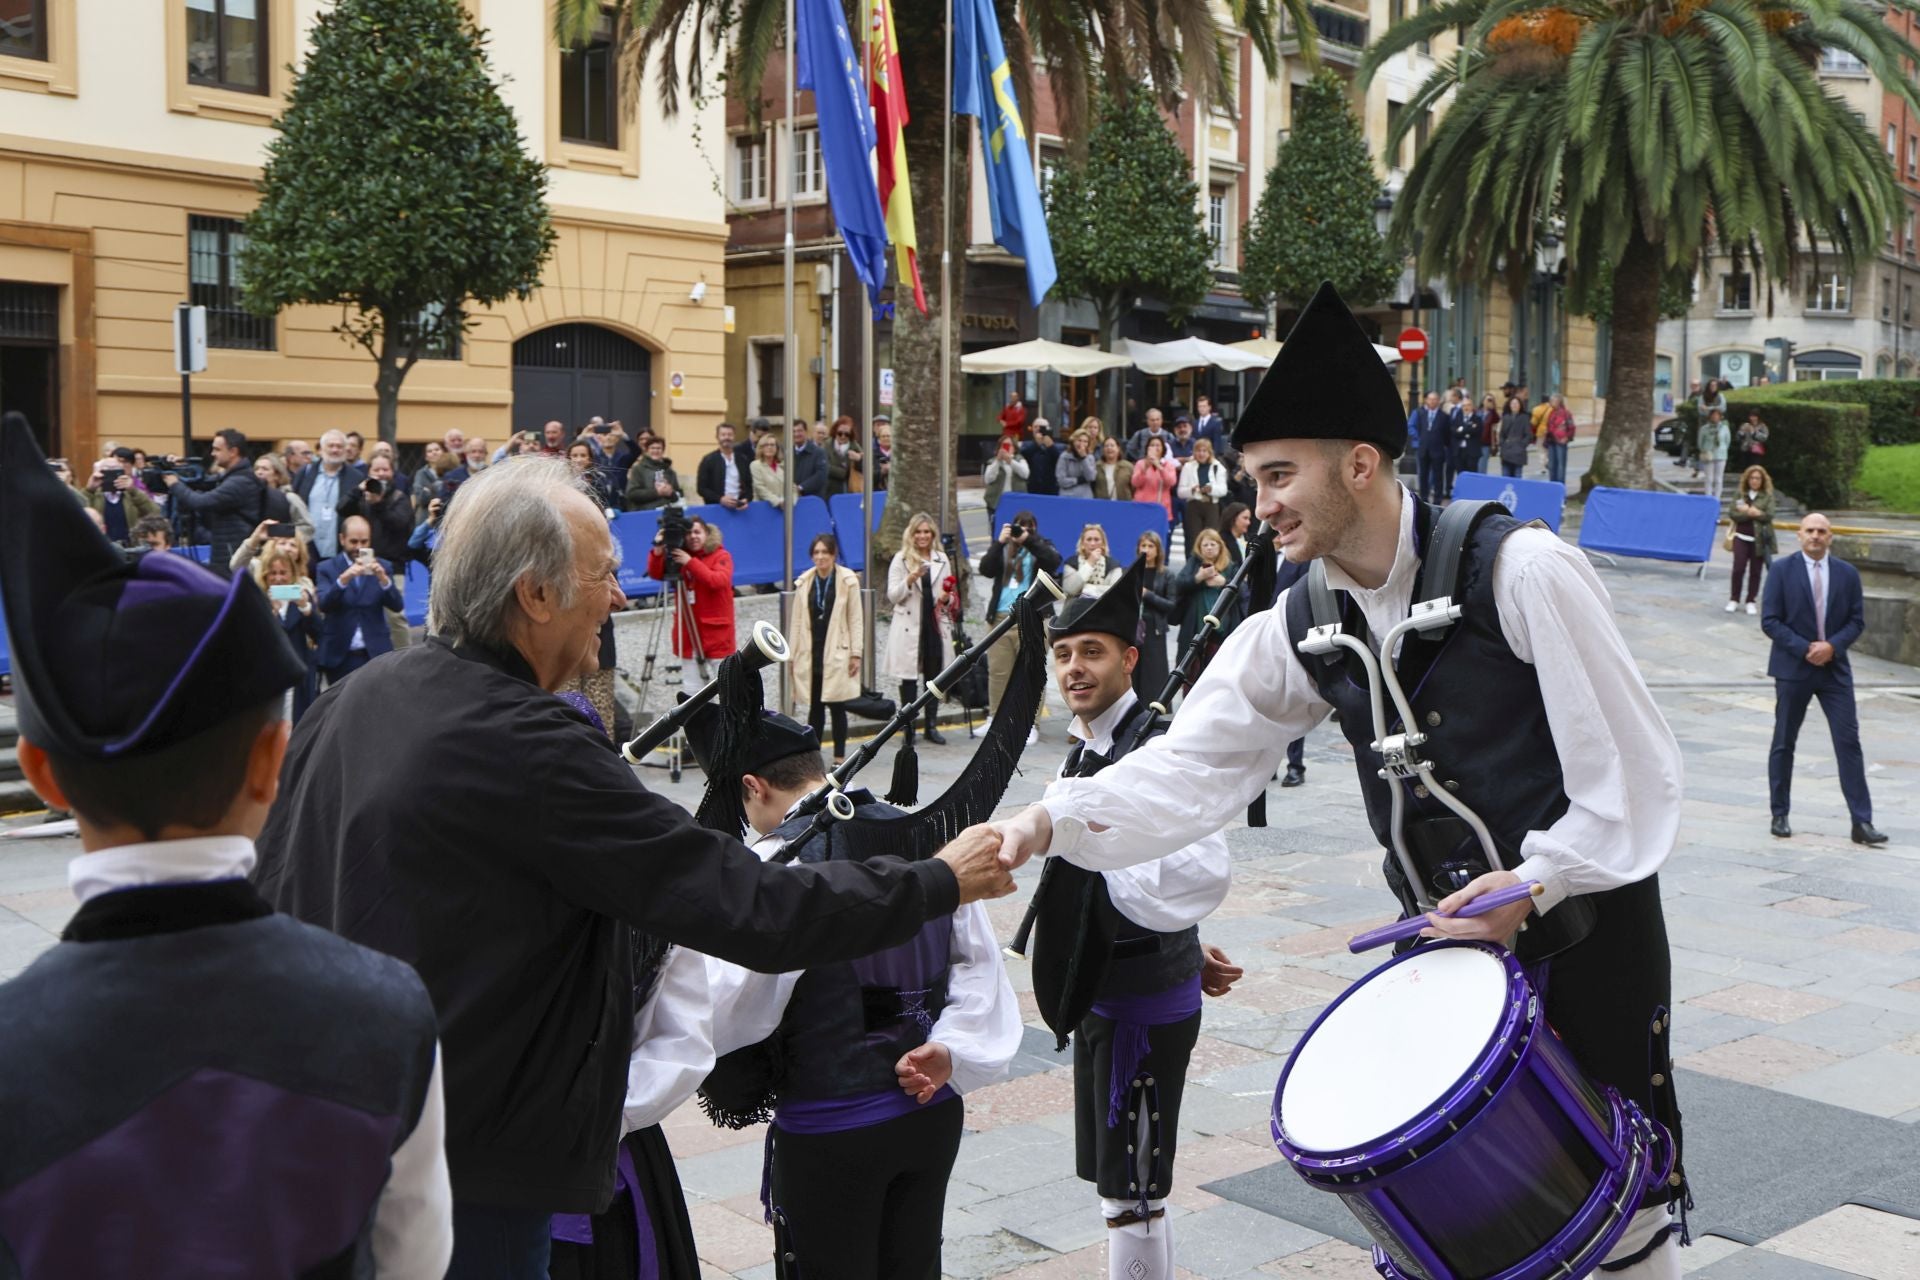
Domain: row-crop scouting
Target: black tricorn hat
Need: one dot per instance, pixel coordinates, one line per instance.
(115, 657)
(1116, 611)
(1327, 383)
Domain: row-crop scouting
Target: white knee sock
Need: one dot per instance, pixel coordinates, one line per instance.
(1138, 1250)
(1662, 1264)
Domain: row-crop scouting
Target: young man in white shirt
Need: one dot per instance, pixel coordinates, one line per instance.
(1117, 960)
(189, 1083)
(1534, 713)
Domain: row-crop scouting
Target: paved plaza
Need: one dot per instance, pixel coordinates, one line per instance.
(1796, 977)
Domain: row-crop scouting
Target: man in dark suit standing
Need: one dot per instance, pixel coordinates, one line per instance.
(353, 590)
(1813, 611)
(809, 463)
(1430, 430)
(1209, 426)
(723, 475)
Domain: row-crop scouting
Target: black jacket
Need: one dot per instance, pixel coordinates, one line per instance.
(810, 471)
(228, 512)
(711, 478)
(996, 564)
(511, 889)
(391, 520)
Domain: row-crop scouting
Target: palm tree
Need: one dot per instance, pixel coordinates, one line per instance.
(1165, 44)
(1648, 134)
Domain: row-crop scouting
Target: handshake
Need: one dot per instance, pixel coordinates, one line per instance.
(984, 856)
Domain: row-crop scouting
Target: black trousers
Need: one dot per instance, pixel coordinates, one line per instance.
(1434, 478)
(1790, 699)
(1133, 1160)
(817, 710)
(865, 1204)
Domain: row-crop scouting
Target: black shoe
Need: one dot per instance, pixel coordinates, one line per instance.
(932, 735)
(1864, 833)
(1294, 777)
(1780, 827)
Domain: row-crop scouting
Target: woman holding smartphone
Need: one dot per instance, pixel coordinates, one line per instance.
(280, 575)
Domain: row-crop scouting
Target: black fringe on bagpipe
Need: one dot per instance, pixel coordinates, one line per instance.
(977, 791)
(740, 701)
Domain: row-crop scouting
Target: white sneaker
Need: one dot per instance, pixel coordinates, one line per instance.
(1752, 608)
(980, 730)
(1732, 605)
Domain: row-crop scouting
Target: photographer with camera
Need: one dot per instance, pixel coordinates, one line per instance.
(690, 550)
(1011, 563)
(122, 504)
(354, 591)
(228, 507)
(389, 514)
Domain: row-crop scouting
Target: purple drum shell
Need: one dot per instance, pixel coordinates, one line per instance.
(1462, 1100)
(1515, 1171)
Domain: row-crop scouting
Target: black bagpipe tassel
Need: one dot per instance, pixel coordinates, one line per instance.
(905, 791)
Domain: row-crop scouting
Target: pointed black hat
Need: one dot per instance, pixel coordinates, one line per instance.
(115, 657)
(1115, 611)
(1327, 383)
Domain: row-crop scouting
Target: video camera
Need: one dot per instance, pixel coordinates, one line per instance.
(191, 471)
(673, 537)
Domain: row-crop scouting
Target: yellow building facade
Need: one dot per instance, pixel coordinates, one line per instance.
(131, 136)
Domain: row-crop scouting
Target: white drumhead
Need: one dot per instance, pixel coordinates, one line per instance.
(1393, 1048)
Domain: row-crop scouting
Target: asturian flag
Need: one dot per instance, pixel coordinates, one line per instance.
(983, 87)
(890, 122)
(829, 65)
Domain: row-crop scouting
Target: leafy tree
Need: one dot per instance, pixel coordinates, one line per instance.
(1676, 293)
(1125, 221)
(396, 187)
(1315, 217)
(1178, 47)
(1646, 132)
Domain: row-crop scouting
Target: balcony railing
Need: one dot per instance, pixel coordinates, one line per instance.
(1342, 29)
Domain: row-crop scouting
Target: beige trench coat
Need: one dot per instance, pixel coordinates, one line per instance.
(846, 632)
(903, 634)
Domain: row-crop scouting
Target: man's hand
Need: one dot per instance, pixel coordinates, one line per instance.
(1026, 833)
(1497, 925)
(680, 555)
(925, 1070)
(1217, 973)
(379, 571)
(169, 479)
(1819, 653)
(259, 535)
(974, 856)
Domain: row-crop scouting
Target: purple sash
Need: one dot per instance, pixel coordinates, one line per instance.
(837, 1115)
(577, 1228)
(1132, 1016)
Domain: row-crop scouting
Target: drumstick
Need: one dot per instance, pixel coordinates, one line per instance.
(1411, 926)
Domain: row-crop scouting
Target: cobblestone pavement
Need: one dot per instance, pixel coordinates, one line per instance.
(1796, 976)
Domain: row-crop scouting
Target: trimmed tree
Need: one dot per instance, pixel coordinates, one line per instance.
(1315, 218)
(396, 187)
(1125, 220)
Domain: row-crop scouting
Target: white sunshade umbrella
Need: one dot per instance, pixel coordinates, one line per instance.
(1269, 350)
(1040, 354)
(1189, 353)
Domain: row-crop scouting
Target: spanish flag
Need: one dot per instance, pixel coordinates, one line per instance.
(889, 97)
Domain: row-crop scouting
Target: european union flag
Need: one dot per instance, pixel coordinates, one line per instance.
(829, 65)
(983, 87)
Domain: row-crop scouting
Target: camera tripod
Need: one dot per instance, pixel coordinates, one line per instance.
(674, 605)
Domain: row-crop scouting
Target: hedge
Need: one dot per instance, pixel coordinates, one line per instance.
(1815, 441)
(1893, 404)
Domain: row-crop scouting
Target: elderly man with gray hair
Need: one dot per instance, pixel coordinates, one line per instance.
(446, 807)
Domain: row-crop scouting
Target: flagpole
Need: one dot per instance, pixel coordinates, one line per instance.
(946, 284)
(871, 468)
(790, 359)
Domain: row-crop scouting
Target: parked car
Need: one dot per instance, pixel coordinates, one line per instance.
(1668, 437)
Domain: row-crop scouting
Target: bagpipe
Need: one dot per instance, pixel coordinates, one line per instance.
(764, 647)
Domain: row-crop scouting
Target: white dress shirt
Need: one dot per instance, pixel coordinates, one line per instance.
(703, 1008)
(1165, 894)
(1621, 766)
(413, 1221)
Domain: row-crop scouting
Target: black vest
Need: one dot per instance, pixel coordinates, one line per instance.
(1485, 722)
(1142, 962)
(847, 1024)
(234, 1081)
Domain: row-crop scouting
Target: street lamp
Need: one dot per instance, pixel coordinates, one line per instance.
(1382, 212)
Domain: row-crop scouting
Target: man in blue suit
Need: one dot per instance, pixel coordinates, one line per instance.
(1813, 611)
(353, 591)
(1430, 432)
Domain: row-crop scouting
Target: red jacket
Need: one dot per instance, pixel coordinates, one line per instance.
(708, 579)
